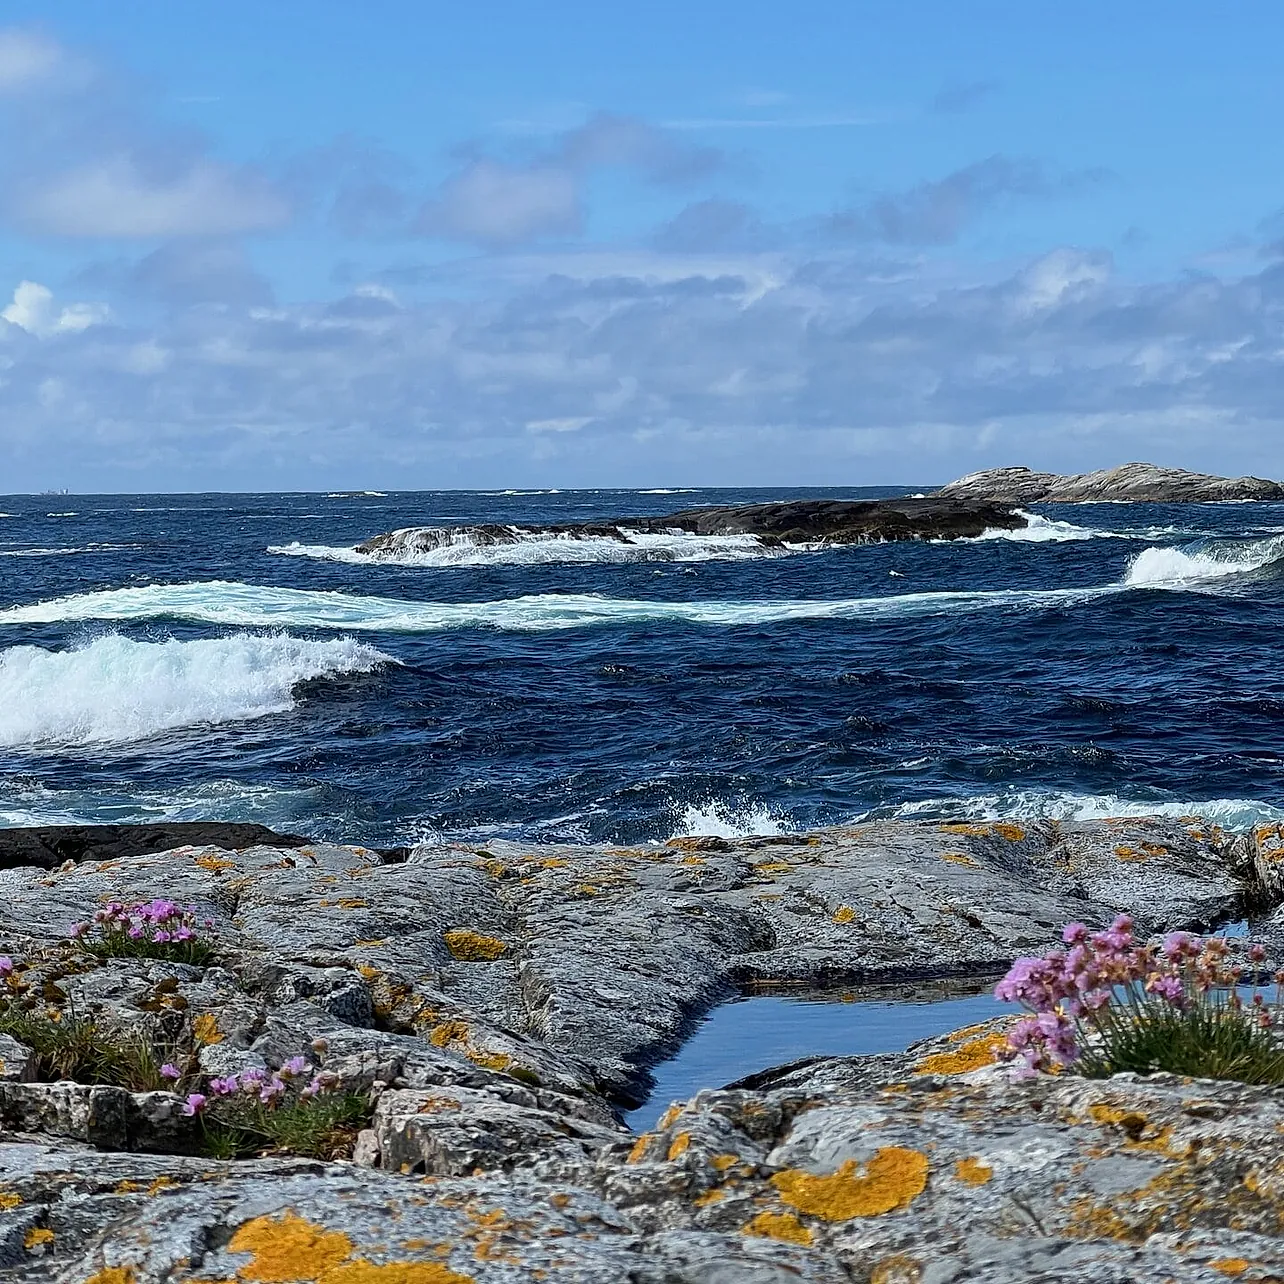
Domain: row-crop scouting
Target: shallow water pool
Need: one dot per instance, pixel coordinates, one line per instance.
(757, 1032)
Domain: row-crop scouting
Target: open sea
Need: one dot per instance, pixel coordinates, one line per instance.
(229, 657)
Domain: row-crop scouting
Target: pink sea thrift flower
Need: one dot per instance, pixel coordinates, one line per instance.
(195, 1103)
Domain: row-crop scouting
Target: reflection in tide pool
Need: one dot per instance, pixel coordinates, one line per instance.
(757, 1032)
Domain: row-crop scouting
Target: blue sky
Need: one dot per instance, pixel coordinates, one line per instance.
(319, 245)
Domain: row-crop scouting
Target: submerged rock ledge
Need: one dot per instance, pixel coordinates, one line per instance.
(1129, 483)
(503, 1001)
(773, 525)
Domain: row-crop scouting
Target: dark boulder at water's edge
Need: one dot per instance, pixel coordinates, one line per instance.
(1129, 483)
(800, 521)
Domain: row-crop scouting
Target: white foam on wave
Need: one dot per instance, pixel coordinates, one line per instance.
(116, 689)
(668, 490)
(1033, 804)
(239, 605)
(721, 819)
(1193, 563)
(1044, 530)
(550, 549)
(64, 552)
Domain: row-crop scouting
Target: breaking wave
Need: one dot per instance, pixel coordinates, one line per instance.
(729, 820)
(116, 689)
(1201, 560)
(1032, 804)
(549, 549)
(239, 605)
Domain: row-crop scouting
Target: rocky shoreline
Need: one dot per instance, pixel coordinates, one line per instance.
(501, 1004)
(1129, 483)
(772, 525)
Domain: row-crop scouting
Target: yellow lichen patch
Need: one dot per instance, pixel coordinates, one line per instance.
(844, 914)
(127, 1187)
(159, 1184)
(773, 867)
(587, 889)
(1134, 1125)
(679, 1145)
(474, 947)
(37, 1237)
(1130, 854)
(899, 1269)
(205, 1030)
(1230, 1265)
(784, 1226)
(1013, 833)
(670, 1116)
(972, 1055)
(967, 831)
(958, 858)
(972, 1171)
(363, 1272)
(214, 864)
(694, 860)
(112, 1275)
(640, 1147)
(553, 862)
(892, 1179)
(9, 1199)
(723, 1162)
(453, 1031)
(288, 1248)
(709, 1197)
(489, 1060)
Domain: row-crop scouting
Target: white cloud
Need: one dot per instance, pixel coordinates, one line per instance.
(28, 60)
(33, 310)
(117, 196)
(503, 205)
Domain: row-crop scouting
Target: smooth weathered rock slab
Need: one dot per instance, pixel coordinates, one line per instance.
(1129, 483)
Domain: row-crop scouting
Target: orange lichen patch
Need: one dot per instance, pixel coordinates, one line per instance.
(967, 831)
(972, 1171)
(126, 1187)
(453, 1031)
(112, 1275)
(694, 860)
(1130, 854)
(972, 1055)
(1013, 833)
(495, 868)
(553, 862)
(709, 1197)
(9, 1199)
(587, 889)
(1230, 1265)
(892, 1179)
(288, 1248)
(670, 1116)
(899, 1269)
(214, 864)
(844, 914)
(679, 1145)
(1134, 1125)
(723, 1162)
(159, 1184)
(37, 1237)
(784, 1226)
(205, 1030)
(958, 858)
(640, 1147)
(474, 947)
(773, 867)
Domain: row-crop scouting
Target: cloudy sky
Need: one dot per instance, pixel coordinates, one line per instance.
(315, 244)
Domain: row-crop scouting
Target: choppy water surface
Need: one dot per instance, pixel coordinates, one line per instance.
(230, 657)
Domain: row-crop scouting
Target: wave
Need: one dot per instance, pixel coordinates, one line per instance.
(1043, 530)
(668, 490)
(1200, 561)
(729, 820)
(64, 552)
(1031, 804)
(549, 549)
(115, 689)
(239, 605)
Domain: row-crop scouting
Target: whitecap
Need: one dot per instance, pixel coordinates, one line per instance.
(722, 819)
(116, 689)
(239, 605)
(1201, 561)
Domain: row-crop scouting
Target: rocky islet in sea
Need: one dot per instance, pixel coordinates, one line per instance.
(501, 1003)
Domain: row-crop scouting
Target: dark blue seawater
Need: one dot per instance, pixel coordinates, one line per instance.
(158, 661)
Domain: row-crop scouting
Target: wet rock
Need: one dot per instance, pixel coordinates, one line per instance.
(48, 846)
(1137, 483)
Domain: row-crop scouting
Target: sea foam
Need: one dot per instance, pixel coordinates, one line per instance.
(1202, 560)
(116, 689)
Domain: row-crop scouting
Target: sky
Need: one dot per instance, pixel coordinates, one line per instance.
(401, 245)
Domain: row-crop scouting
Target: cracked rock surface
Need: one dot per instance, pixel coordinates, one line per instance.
(501, 1004)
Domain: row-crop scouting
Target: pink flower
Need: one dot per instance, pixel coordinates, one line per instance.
(169, 1071)
(1074, 933)
(195, 1103)
(6, 965)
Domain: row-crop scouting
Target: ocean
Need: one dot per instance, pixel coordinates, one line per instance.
(230, 657)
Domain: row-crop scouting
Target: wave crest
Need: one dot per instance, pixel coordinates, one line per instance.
(1201, 560)
(116, 689)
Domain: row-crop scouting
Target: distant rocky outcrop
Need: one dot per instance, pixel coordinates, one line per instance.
(1131, 483)
(798, 521)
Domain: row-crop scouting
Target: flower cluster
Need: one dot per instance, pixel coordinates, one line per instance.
(1105, 990)
(296, 1080)
(151, 929)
